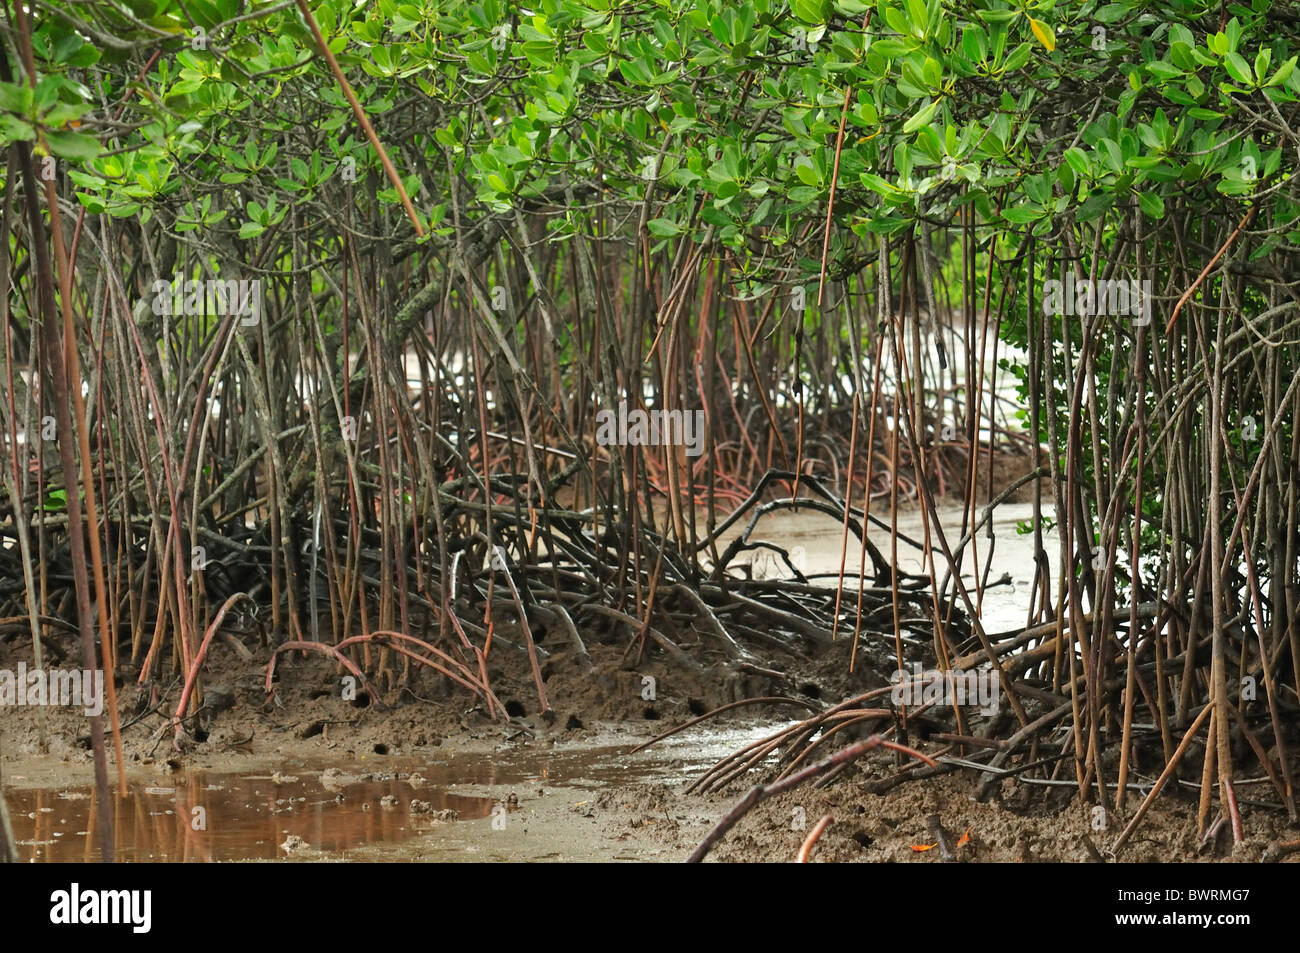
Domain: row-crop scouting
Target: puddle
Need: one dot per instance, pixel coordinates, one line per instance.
(198, 816)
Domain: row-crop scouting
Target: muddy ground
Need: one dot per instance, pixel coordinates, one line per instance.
(423, 774)
(568, 788)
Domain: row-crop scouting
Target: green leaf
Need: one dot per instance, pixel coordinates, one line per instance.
(1152, 205)
(1065, 175)
(1023, 214)
(1078, 160)
(1238, 69)
(1018, 58)
(1163, 71)
(921, 118)
(1096, 205)
(72, 145)
(812, 11)
(887, 224)
(807, 174)
(15, 98)
(1283, 73)
(918, 16)
(15, 130)
(662, 228)
(890, 47)
(1262, 60)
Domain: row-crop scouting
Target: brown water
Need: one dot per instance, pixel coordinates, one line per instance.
(201, 816)
(204, 816)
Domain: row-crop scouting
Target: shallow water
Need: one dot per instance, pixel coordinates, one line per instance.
(202, 816)
(197, 816)
(815, 542)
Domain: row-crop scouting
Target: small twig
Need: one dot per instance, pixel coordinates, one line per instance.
(941, 836)
(1250, 213)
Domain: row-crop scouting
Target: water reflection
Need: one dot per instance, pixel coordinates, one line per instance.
(202, 817)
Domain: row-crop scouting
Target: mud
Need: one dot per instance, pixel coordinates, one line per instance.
(473, 802)
(587, 803)
(308, 774)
